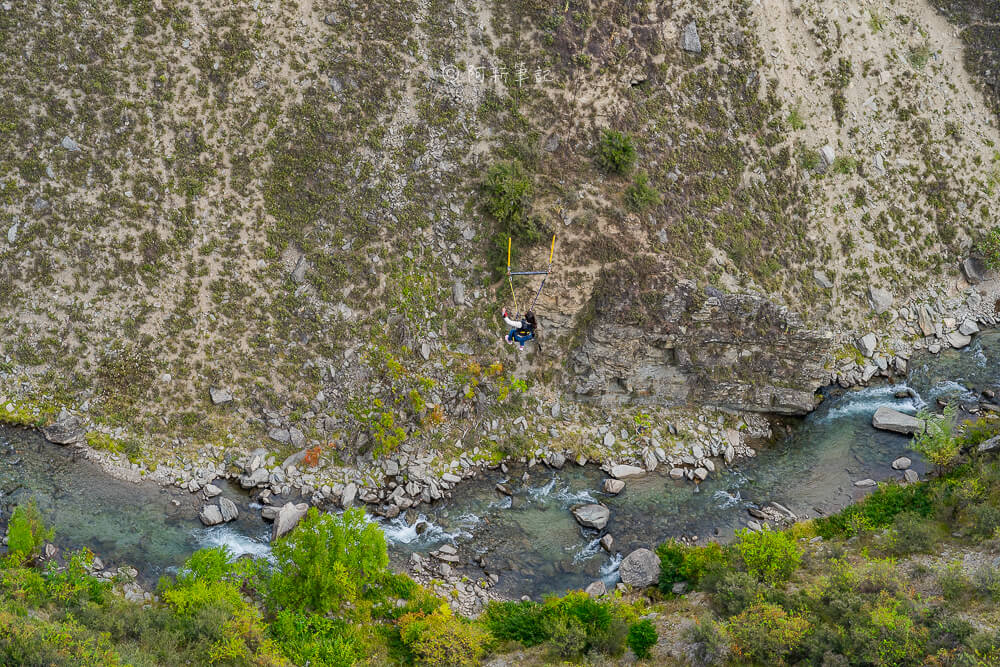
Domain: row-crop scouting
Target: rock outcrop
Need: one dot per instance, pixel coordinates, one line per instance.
(66, 430)
(658, 341)
(888, 419)
(288, 517)
(640, 568)
(592, 516)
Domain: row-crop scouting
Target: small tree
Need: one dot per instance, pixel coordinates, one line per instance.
(641, 195)
(937, 443)
(615, 152)
(989, 246)
(641, 637)
(769, 555)
(327, 562)
(26, 532)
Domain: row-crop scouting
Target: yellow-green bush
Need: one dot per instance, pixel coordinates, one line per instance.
(439, 638)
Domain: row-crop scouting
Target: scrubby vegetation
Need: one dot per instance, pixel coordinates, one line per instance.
(908, 576)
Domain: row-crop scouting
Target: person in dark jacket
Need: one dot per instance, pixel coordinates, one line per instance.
(521, 331)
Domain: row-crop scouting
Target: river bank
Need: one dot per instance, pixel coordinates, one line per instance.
(485, 542)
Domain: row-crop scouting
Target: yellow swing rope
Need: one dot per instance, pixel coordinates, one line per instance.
(510, 281)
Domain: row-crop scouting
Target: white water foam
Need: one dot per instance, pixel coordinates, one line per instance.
(611, 567)
(589, 550)
(237, 543)
(725, 499)
(949, 388)
(869, 399)
(398, 532)
(563, 494)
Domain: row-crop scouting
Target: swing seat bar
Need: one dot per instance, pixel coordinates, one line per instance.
(527, 273)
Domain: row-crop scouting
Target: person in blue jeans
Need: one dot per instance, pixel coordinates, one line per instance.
(521, 331)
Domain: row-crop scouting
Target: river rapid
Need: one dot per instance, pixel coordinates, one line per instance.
(530, 539)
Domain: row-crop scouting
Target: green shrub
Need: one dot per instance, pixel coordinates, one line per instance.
(795, 120)
(568, 637)
(954, 584)
(641, 195)
(615, 152)
(878, 510)
(771, 556)
(709, 642)
(439, 638)
(642, 637)
(315, 640)
(736, 591)
(989, 247)
(885, 635)
(844, 165)
(920, 55)
(508, 191)
(766, 633)
(986, 581)
(911, 533)
(680, 562)
(516, 621)
(938, 442)
(327, 562)
(26, 532)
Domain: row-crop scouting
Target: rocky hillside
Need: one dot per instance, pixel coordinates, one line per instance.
(224, 222)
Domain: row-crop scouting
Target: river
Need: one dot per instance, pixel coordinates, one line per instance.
(530, 539)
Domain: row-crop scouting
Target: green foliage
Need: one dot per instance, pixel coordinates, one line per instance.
(920, 55)
(795, 120)
(516, 621)
(26, 532)
(771, 556)
(938, 442)
(507, 189)
(615, 152)
(439, 638)
(327, 562)
(680, 562)
(640, 195)
(911, 533)
(989, 247)
(316, 640)
(844, 165)
(878, 510)
(709, 642)
(766, 633)
(642, 637)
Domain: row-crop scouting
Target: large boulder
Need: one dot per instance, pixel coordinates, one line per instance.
(595, 589)
(210, 515)
(66, 430)
(592, 516)
(881, 299)
(288, 517)
(991, 445)
(258, 477)
(692, 347)
(640, 568)
(613, 486)
(690, 41)
(623, 471)
(887, 419)
(958, 340)
(866, 344)
(220, 396)
(228, 509)
(975, 270)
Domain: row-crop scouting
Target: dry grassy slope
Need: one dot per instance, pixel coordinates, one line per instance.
(219, 145)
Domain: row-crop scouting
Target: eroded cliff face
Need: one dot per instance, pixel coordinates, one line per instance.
(646, 338)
